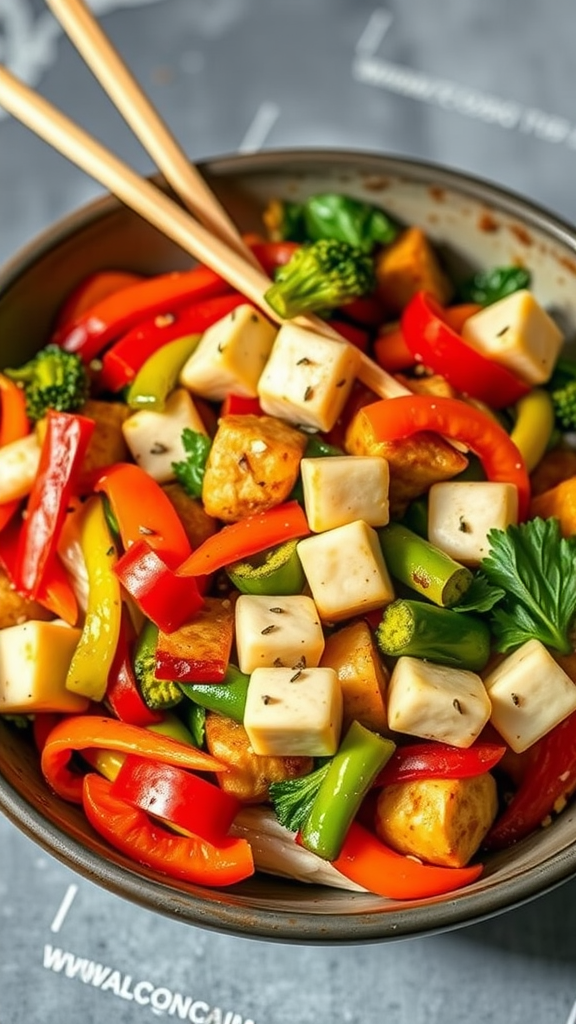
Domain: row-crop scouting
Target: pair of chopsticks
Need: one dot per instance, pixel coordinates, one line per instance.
(201, 226)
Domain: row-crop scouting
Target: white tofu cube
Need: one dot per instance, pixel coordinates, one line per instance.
(155, 438)
(340, 489)
(518, 333)
(437, 702)
(34, 661)
(346, 572)
(307, 378)
(19, 461)
(294, 714)
(277, 631)
(230, 356)
(530, 694)
(460, 514)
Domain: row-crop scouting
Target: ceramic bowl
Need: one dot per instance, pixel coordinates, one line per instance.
(476, 225)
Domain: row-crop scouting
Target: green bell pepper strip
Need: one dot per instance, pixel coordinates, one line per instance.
(94, 655)
(440, 635)
(275, 571)
(227, 698)
(361, 756)
(159, 375)
(422, 566)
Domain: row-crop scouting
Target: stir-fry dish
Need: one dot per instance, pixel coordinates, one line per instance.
(255, 616)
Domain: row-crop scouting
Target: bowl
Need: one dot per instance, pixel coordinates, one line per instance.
(475, 224)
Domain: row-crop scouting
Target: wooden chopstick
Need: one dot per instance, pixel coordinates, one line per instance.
(147, 200)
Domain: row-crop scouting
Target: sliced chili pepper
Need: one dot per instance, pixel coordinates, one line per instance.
(379, 869)
(62, 452)
(393, 418)
(122, 693)
(81, 732)
(439, 761)
(94, 329)
(143, 511)
(549, 778)
(14, 424)
(437, 345)
(239, 405)
(166, 597)
(190, 859)
(177, 797)
(247, 537)
(121, 362)
(198, 652)
(91, 290)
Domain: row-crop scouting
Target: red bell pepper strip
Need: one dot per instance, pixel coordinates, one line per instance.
(272, 255)
(62, 452)
(177, 797)
(373, 865)
(357, 336)
(164, 596)
(393, 418)
(56, 592)
(240, 405)
(439, 761)
(549, 778)
(188, 859)
(143, 511)
(435, 344)
(91, 290)
(81, 732)
(91, 332)
(122, 692)
(14, 424)
(366, 310)
(121, 362)
(247, 537)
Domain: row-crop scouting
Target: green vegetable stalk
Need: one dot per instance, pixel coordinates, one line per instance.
(320, 276)
(53, 379)
(350, 774)
(158, 694)
(159, 374)
(275, 571)
(227, 698)
(422, 566)
(440, 635)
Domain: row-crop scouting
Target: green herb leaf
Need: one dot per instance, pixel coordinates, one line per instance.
(536, 567)
(293, 798)
(190, 474)
(481, 596)
(491, 285)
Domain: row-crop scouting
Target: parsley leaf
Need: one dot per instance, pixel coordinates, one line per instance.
(190, 474)
(292, 799)
(481, 596)
(536, 567)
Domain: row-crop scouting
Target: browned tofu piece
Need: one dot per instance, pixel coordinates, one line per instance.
(352, 653)
(416, 462)
(197, 524)
(441, 821)
(408, 266)
(107, 443)
(15, 609)
(555, 466)
(253, 465)
(249, 774)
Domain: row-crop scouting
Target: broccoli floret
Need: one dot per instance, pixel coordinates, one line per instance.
(321, 276)
(53, 379)
(562, 388)
(292, 799)
(157, 694)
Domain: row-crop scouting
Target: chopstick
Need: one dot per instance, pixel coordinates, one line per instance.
(151, 203)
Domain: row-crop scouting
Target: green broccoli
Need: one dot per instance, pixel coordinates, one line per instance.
(330, 215)
(292, 799)
(52, 379)
(562, 388)
(326, 274)
(158, 694)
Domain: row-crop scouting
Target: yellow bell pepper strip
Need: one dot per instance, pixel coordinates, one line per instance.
(166, 597)
(247, 537)
(87, 732)
(143, 511)
(14, 424)
(63, 449)
(534, 424)
(94, 655)
(368, 862)
(186, 858)
(158, 376)
(199, 651)
(393, 418)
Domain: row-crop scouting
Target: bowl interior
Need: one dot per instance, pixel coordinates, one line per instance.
(475, 225)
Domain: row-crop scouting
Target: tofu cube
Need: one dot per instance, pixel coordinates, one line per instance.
(530, 694)
(340, 489)
(155, 438)
(308, 377)
(34, 660)
(346, 571)
(19, 461)
(277, 631)
(460, 514)
(230, 356)
(437, 702)
(292, 714)
(517, 332)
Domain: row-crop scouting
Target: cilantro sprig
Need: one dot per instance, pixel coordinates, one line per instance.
(190, 472)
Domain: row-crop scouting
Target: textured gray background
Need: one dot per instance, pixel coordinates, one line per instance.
(479, 84)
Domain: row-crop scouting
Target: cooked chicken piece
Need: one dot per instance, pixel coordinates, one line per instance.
(352, 653)
(441, 821)
(250, 774)
(408, 266)
(197, 524)
(253, 464)
(15, 609)
(107, 444)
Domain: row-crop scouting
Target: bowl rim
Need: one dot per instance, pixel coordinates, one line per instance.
(294, 926)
